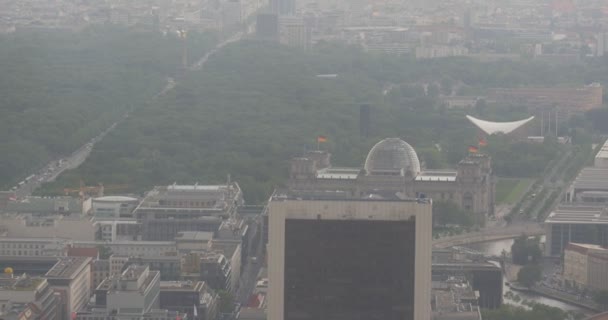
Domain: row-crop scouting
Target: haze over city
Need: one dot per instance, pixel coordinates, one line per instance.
(303, 160)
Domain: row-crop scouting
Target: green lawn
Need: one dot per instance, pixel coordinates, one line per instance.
(509, 191)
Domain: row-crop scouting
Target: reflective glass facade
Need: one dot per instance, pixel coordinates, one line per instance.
(349, 270)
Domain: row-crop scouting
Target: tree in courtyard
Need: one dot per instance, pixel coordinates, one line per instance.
(104, 252)
(226, 301)
(529, 275)
(526, 250)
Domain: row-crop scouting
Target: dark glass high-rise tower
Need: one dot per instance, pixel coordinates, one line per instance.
(349, 259)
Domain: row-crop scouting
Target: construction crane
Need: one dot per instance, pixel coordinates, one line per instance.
(97, 191)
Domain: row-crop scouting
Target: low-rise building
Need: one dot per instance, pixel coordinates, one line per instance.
(117, 230)
(453, 298)
(134, 294)
(48, 226)
(232, 249)
(25, 297)
(24, 247)
(187, 296)
(168, 266)
(577, 224)
(133, 248)
(70, 277)
(114, 207)
(46, 206)
(167, 210)
(100, 270)
(187, 241)
(210, 266)
(585, 266)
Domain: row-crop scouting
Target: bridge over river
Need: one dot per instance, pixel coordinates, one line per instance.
(490, 234)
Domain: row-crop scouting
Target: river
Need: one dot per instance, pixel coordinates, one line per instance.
(495, 248)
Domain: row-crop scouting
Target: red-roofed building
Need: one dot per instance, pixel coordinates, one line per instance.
(92, 253)
(599, 316)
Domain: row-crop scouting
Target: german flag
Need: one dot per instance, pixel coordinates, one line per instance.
(473, 149)
(321, 139)
(483, 142)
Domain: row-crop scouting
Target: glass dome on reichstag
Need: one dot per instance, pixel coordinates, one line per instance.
(392, 154)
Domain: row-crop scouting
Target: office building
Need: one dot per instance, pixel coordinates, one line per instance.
(212, 267)
(25, 225)
(585, 267)
(132, 248)
(485, 278)
(453, 298)
(185, 296)
(70, 277)
(572, 98)
(601, 158)
(591, 185)
(348, 259)
(168, 266)
(232, 250)
(283, 7)
(575, 223)
(25, 297)
(187, 241)
(32, 266)
(114, 206)
(267, 26)
(293, 32)
(134, 294)
(392, 165)
(24, 247)
(47, 206)
(165, 211)
(118, 229)
(100, 270)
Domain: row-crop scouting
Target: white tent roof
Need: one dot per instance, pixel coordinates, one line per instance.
(490, 127)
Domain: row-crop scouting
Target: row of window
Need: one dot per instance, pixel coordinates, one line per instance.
(187, 204)
(21, 246)
(20, 253)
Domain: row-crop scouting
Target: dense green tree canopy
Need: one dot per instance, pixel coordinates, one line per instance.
(59, 89)
(536, 312)
(529, 275)
(526, 250)
(256, 104)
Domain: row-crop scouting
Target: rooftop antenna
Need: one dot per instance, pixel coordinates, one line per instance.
(556, 133)
(542, 119)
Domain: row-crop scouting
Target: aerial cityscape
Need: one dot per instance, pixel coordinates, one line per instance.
(303, 160)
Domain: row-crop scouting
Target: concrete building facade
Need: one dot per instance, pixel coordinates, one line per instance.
(165, 211)
(361, 259)
(71, 277)
(392, 165)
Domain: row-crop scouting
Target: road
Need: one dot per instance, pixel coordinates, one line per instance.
(56, 167)
(249, 276)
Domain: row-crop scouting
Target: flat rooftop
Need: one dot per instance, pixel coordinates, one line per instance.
(68, 267)
(437, 176)
(578, 215)
(19, 283)
(323, 195)
(194, 236)
(603, 153)
(338, 173)
(180, 286)
(590, 178)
